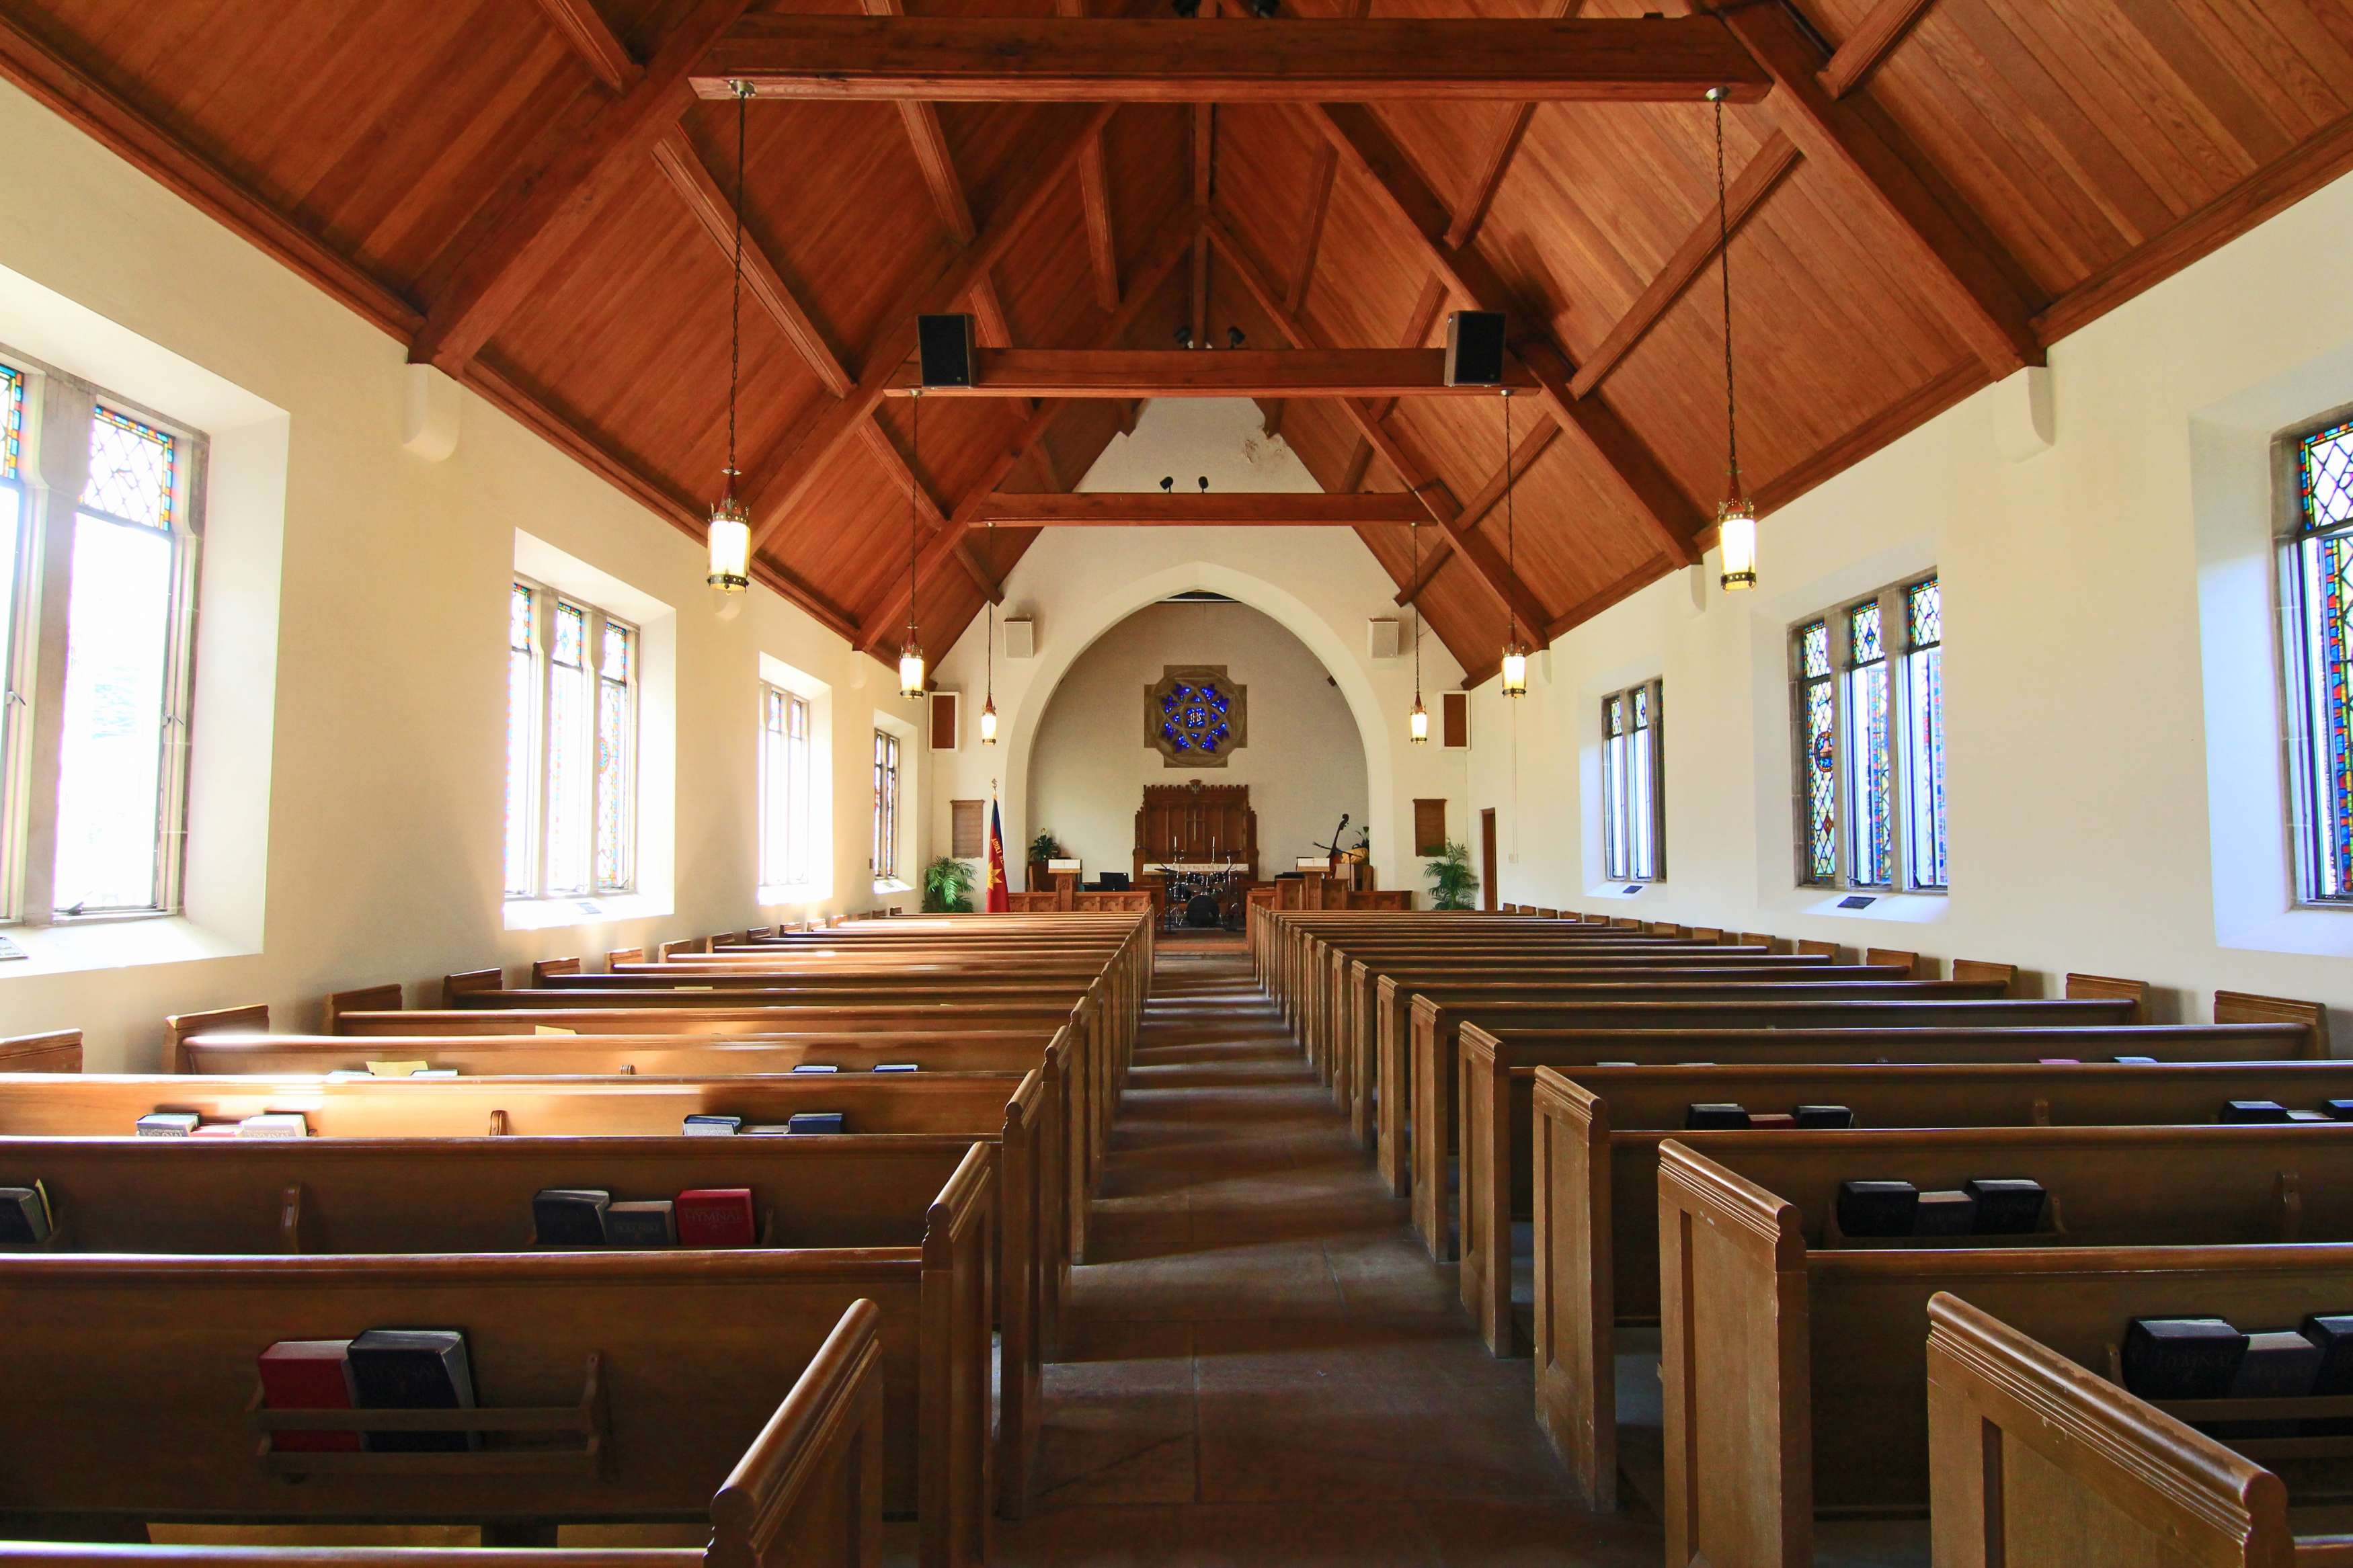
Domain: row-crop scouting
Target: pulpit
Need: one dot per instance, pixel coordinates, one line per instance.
(1196, 827)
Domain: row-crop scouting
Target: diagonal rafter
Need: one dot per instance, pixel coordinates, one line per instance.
(1532, 445)
(1481, 198)
(1094, 192)
(547, 211)
(1670, 516)
(1436, 498)
(1882, 27)
(1959, 265)
(787, 482)
(592, 38)
(1169, 248)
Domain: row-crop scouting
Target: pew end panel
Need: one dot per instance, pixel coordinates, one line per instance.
(1575, 1339)
(385, 998)
(955, 1468)
(59, 1050)
(809, 1489)
(1733, 1321)
(2004, 974)
(546, 969)
(471, 983)
(2246, 1008)
(179, 1028)
(2106, 987)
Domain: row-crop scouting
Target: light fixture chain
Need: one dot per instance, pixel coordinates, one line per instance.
(735, 305)
(1724, 265)
(1511, 528)
(915, 478)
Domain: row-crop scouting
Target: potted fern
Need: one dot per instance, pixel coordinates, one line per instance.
(1452, 880)
(947, 887)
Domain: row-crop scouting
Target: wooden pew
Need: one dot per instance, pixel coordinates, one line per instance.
(676, 1359)
(1499, 1076)
(59, 1051)
(923, 1201)
(2034, 1458)
(1715, 1011)
(1596, 1182)
(1008, 1116)
(806, 1493)
(1790, 1372)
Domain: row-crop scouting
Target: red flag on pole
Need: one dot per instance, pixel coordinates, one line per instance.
(1000, 898)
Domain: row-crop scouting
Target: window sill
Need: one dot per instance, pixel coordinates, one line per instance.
(886, 888)
(1621, 890)
(115, 945)
(1897, 908)
(547, 914)
(771, 895)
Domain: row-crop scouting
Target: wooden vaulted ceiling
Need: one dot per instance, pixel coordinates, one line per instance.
(527, 193)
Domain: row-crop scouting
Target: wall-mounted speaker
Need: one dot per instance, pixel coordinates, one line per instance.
(1474, 348)
(1020, 638)
(943, 349)
(1381, 638)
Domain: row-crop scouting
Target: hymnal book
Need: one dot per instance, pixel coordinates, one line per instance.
(642, 1223)
(2181, 1358)
(894, 1066)
(714, 1216)
(274, 1124)
(2247, 1110)
(766, 1129)
(216, 1130)
(815, 1067)
(23, 1216)
(413, 1369)
(552, 1030)
(699, 1125)
(394, 1070)
(814, 1121)
(308, 1374)
(570, 1216)
(435, 1072)
(168, 1123)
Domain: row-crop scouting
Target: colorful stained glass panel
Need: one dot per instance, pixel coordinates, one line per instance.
(132, 468)
(1820, 771)
(11, 421)
(519, 618)
(2325, 472)
(615, 663)
(1924, 605)
(1925, 764)
(1862, 633)
(1870, 776)
(1814, 650)
(571, 635)
(1641, 707)
(614, 754)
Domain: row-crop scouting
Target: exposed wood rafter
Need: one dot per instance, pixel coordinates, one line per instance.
(594, 41)
(1152, 509)
(546, 211)
(1481, 197)
(1388, 375)
(1882, 28)
(1205, 164)
(1094, 194)
(1014, 59)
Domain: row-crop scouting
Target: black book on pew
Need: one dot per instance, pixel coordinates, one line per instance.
(24, 1217)
(570, 1216)
(413, 1369)
(2181, 1358)
(910, 1067)
(807, 1121)
(815, 1067)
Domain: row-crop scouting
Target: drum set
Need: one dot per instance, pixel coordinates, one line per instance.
(1203, 900)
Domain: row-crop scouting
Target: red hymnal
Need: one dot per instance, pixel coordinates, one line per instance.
(308, 1374)
(714, 1216)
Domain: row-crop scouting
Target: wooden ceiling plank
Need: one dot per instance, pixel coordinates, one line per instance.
(1416, 331)
(1882, 27)
(714, 210)
(927, 506)
(592, 39)
(1169, 60)
(1205, 155)
(1419, 479)
(1532, 447)
(787, 482)
(546, 215)
(1956, 264)
(1170, 247)
(1665, 512)
(1152, 508)
(1772, 163)
(63, 88)
(1481, 197)
(1310, 242)
(1388, 375)
(1094, 192)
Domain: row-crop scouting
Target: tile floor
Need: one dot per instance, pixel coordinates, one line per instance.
(1262, 1367)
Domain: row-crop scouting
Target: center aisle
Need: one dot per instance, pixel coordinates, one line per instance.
(1261, 1366)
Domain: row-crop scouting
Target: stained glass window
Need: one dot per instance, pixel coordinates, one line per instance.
(1871, 775)
(1629, 771)
(1197, 717)
(132, 470)
(570, 778)
(522, 731)
(1818, 759)
(11, 421)
(1923, 732)
(2319, 575)
(617, 745)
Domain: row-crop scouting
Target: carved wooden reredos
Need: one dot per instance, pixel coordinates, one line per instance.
(1195, 716)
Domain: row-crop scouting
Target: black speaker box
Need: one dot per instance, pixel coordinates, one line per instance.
(943, 347)
(1474, 348)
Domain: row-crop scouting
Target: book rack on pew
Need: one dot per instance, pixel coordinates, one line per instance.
(587, 1420)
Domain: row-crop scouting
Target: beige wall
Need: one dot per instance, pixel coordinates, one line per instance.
(354, 808)
(2110, 660)
(1304, 760)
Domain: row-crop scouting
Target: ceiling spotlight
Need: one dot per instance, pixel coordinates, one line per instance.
(1262, 8)
(1185, 7)
(1184, 337)
(1168, 482)
(1234, 338)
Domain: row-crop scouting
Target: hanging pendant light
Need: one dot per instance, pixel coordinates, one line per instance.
(911, 657)
(1515, 653)
(729, 533)
(1735, 515)
(988, 702)
(1417, 723)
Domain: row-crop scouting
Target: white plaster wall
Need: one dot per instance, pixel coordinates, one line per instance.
(384, 783)
(1302, 760)
(2107, 611)
(1320, 585)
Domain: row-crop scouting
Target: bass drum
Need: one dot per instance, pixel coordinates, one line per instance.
(1201, 912)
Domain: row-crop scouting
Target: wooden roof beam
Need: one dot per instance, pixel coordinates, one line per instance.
(1152, 508)
(1171, 60)
(786, 483)
(594, 41)
(1205, 154)
(1436, 499)
(1094, 194)
(1875, 38)
(1481, 198)
(1416, 333)
(1169, 248)
(1772, 163)
(546, 211)
(1672, 519)
(1959, 265)
(1387, 374)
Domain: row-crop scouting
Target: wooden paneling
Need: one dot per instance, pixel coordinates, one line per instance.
(1429, 826)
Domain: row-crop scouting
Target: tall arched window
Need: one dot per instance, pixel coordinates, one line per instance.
(2316, 597)
(1867, 698)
